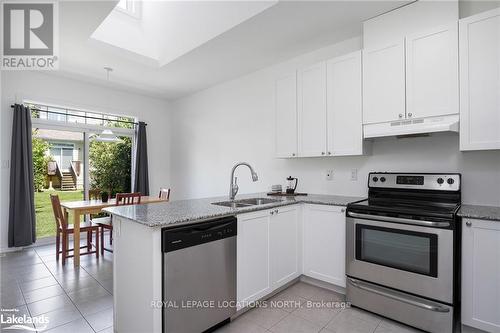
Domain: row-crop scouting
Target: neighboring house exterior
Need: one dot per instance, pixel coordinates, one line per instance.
(66, 149)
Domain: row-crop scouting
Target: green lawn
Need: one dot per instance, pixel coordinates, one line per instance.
(45, 223)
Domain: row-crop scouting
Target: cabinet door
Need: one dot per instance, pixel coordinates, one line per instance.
(284, 246)
(481, 274)
(252, 257)
(480, 81)
(384, 83)
(344, 112)
(312, 110)
(432, 72)
(324, 243)
(286, 116)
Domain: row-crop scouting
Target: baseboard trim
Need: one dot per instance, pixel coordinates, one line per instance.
(322, 284)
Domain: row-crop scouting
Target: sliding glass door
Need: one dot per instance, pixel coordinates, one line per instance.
(110, 164)
(57, 165)
(76, 153)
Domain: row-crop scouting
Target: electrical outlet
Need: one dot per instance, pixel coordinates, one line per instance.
(329, 174)
(354, 174)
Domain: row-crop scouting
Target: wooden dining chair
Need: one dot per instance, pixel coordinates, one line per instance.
(63, 230)
(105, 223)
(164, 194)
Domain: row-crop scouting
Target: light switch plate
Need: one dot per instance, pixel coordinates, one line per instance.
(354, 174)
(5, 164)
(329, 175)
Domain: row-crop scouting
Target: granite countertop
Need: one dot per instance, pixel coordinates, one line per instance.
(196, 210)
(480, 212)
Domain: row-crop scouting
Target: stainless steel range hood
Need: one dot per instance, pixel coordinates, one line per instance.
(449, 123)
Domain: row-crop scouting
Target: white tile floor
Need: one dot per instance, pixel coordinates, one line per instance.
(77, 300)
(80, 300)
(311, 309)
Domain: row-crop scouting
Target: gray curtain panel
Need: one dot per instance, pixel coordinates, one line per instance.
(22, 224)
(141, 181)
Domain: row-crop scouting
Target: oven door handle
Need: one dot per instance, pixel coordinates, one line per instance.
(426, 306)
(400, 220)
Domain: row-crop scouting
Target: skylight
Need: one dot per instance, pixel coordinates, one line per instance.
(165, 30)
(130, 7)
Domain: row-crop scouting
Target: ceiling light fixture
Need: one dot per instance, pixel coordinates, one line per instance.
(106, 136)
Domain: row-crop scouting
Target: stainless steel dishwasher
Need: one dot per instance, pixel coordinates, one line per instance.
(199, 275)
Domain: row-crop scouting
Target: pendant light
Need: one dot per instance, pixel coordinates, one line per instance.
(106, 135)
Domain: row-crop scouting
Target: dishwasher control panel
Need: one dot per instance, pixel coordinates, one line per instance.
(177, 238)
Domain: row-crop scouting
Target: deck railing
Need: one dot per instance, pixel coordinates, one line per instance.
(59, 173)
(74, 172)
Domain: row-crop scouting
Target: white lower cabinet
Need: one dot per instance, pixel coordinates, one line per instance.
(481, 274)
(252, 257)
(284, 246)
(267, 252)
(323, 241)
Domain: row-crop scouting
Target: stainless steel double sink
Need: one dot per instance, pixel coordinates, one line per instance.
(246, 202)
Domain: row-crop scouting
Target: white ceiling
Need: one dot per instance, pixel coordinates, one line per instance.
(211, 43)
(166, 30)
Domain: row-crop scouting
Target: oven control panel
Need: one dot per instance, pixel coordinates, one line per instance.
(421, 181)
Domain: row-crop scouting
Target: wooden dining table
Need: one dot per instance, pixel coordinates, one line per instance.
(83, 207)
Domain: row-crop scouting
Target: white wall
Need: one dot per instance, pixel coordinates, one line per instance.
(234, 121)
(52, 89)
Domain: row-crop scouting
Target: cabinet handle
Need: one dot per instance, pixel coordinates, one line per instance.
(329, 153)
(410, 114)
(293, 154)
(342, 210)
(272, 212)
(276, 211)
(468, 223)
(322, 153)
(400, 115)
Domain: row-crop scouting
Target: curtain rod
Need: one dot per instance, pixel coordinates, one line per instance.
(76, 115)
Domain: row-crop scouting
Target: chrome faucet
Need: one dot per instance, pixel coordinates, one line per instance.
(233, 187)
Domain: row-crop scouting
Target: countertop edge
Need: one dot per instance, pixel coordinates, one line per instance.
(326, 200)
(490, 213)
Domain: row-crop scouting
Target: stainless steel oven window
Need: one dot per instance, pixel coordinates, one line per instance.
(406, 250)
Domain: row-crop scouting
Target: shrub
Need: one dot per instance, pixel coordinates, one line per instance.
(110, 166)
(40, 160)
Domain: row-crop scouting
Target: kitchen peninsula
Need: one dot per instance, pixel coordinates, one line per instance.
(138, 256)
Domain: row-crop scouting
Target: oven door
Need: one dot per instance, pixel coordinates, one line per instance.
(415, 259)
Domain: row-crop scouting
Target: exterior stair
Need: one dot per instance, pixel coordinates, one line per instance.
(67, 182)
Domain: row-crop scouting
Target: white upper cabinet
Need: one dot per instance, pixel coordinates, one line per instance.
(481, 274)
(432, 72)
(344, 110)
(286, 115)
(312, 110)
(319, 109)
(480, 81)
(415, 77)
(384, 83)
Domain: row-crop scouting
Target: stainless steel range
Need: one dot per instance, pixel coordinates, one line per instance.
(403, 249)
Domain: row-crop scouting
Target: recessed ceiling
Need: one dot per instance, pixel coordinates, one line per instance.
(212, 41)
(164, 31)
